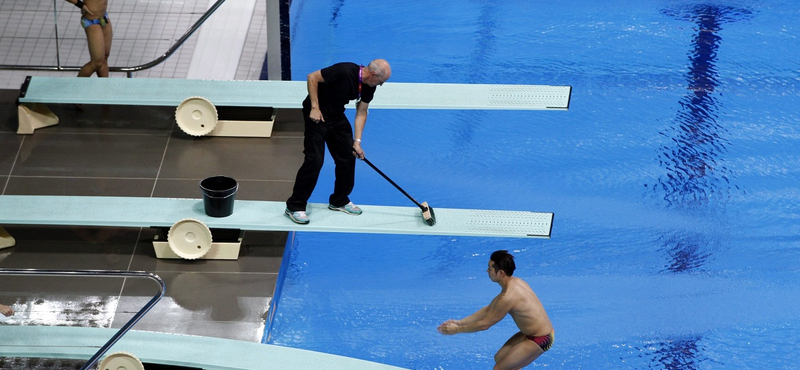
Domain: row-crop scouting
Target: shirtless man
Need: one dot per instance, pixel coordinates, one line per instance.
(518, 299)
(97, 25)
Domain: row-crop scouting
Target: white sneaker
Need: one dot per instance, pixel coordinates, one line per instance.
(299, 217)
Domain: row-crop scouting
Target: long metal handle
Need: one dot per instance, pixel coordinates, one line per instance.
(100, 273)
(395, 185)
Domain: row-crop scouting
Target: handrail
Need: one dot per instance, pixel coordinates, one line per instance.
(101, 273)
(55, 22)
(128, 70)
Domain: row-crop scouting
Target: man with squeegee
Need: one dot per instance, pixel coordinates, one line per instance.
(329, 90)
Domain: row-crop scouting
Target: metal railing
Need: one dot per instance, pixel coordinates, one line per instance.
(128, 70)
(99, 273)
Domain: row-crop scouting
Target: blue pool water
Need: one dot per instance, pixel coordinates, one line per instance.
(674, 179)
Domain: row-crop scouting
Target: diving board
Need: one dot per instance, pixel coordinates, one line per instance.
(37, 91)
(267, 216)
(287, 94)
(80, 343)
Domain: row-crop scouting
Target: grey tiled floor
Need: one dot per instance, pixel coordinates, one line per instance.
(143, 31)
(133, 151)
(139, 151)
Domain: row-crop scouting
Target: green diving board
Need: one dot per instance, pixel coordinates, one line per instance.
(254, 101)
(267, 216)
(80, 343)
(286, 94)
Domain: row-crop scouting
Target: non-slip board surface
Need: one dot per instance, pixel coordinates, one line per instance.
(267, 216)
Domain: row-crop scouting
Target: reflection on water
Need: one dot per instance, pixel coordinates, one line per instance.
(60, 310)
(462, 135)
(446, 256)
(478, 70)
(696, 173)
(694, 160)
(335, 12)
(679, 354)
(485, 46)
(687, 251)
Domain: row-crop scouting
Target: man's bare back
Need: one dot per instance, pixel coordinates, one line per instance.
(527, 312)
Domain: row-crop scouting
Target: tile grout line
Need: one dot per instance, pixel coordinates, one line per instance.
(163, 157)
(125, 280)
(13, 165)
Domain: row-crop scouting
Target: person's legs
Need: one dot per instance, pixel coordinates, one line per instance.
(516, 353)
(108, 34)
(503, 351)
(95, 36)
(340, 145)
(308, 174)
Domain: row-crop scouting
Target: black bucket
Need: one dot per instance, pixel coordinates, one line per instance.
(218, 195)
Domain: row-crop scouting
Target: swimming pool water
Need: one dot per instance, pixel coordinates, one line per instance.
(673, 178)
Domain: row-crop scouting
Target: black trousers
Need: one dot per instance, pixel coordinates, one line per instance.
(338, 136)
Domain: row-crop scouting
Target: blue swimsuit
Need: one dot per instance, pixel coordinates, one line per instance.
(90, 22)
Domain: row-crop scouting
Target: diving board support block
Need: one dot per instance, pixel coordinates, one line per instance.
(238, 128)
(218, 250)
(34, 116)
(245, 128)
(6, 240)
(268, 216)
(198, 116)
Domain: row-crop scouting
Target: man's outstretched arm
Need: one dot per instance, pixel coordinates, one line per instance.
(483, 319)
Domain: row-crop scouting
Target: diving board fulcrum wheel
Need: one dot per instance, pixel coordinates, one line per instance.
(120, 361)
(196, 116)
(189, 239)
